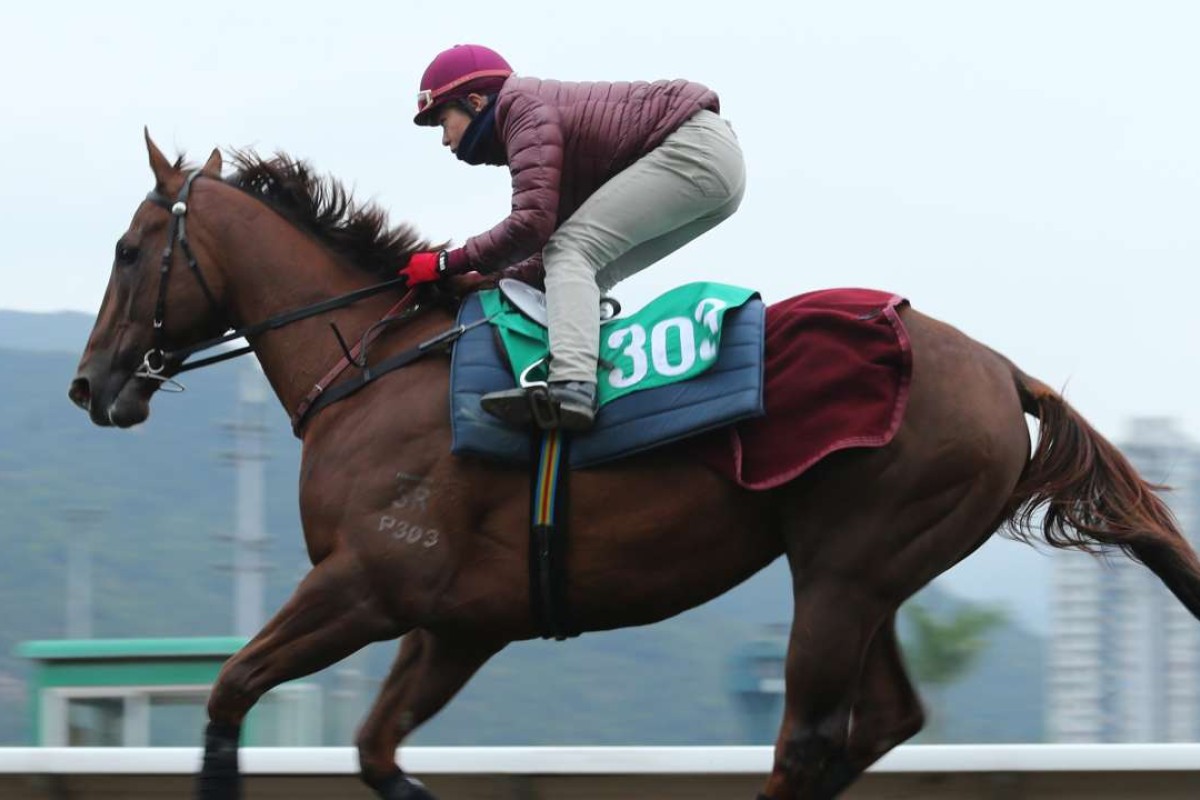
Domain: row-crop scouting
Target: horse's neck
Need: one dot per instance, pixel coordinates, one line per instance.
(271, 269)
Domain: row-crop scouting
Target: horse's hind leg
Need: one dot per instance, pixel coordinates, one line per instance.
(850, 572)
(833, 626)
(331, 615)
(848, 698)
(427, 673)
(887, 710)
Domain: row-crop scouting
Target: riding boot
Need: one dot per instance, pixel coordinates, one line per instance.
(577, 404)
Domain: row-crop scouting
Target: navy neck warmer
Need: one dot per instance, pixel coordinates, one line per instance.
(479, 144)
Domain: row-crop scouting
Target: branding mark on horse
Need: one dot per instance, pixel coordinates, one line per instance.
(408, 532)
(411, 493)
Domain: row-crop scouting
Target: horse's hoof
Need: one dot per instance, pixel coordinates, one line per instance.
(399, 786)
(218, 787)
(218, 778)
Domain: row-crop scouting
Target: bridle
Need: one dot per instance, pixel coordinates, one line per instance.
(158, 358)
(156, 361)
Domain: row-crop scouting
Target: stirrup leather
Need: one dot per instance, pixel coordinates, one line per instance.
(542, 407)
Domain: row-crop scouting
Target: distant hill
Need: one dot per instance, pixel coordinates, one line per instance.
(55, 332)
(164, 494)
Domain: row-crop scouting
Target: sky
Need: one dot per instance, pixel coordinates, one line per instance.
(1025, 171)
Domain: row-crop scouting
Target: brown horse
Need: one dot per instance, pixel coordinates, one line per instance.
(862, 530)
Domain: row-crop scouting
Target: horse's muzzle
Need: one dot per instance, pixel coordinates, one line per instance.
(112, 401)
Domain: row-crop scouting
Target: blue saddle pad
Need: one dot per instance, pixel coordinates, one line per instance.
(729, 391)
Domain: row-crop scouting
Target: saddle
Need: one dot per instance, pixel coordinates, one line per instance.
(531, 302)
(689, 362)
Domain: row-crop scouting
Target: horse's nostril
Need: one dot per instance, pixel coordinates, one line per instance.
(81, 393)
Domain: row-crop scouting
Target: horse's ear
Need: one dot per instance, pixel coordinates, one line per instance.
(212, 167)
(158, 162)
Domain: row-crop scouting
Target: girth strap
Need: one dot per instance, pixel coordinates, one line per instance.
(548, 535)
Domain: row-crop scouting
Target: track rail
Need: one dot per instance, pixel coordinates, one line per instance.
(334, 761)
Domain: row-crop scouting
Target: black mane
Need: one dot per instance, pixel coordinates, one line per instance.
(321, 206)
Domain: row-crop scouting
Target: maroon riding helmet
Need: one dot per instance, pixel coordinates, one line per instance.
(455, 73)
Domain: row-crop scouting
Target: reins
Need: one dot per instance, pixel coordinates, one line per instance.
(156, 360)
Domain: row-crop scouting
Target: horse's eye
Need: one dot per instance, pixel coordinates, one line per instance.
(126, 254)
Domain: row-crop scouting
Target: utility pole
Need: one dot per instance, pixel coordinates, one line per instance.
(249, 538)
(80, 543)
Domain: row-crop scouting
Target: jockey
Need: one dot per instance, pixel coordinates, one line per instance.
(607, 179)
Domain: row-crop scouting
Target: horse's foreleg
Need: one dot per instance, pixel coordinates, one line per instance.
(331, 615)
(428, 672)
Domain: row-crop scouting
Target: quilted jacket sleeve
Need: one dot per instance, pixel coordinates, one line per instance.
(533, 137)
(529, 271)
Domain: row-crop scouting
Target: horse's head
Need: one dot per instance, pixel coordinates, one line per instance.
(149, 307)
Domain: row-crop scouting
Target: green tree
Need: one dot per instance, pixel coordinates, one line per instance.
(942, 648)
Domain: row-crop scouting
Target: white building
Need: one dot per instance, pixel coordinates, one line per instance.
(1124, 660)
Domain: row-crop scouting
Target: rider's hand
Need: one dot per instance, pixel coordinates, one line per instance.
(466, 283)
(425, 267)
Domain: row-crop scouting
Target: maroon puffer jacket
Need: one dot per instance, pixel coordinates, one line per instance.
(563, 141)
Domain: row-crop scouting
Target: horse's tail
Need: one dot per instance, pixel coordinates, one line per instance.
(1093, 497)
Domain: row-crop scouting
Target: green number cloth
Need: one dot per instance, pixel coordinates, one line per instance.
(674, 338)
